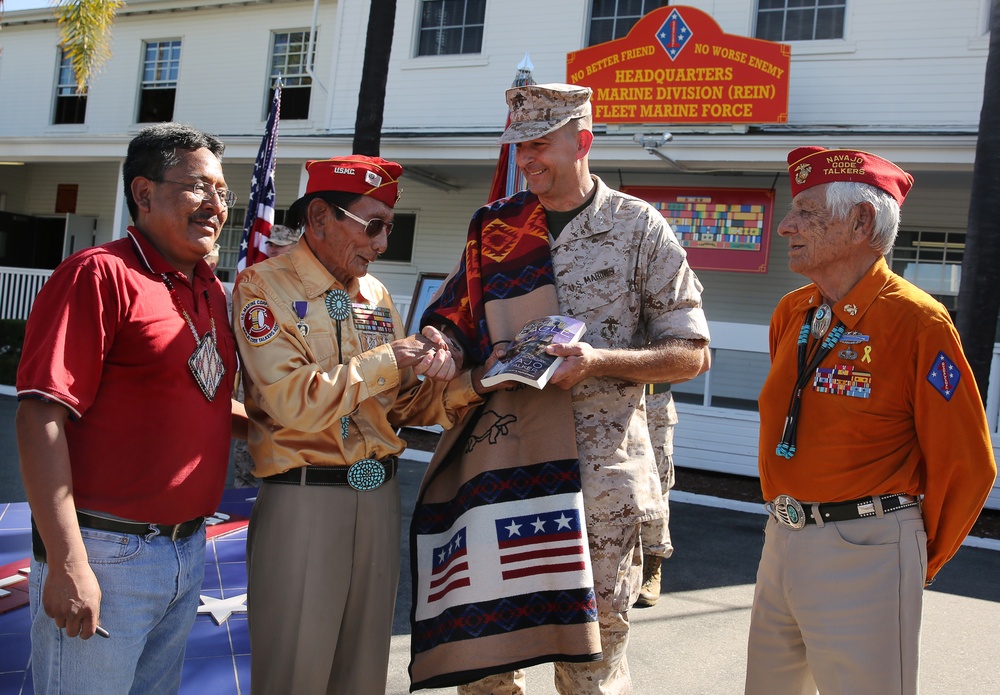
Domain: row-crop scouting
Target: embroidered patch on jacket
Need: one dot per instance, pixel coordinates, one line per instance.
(257, 321)
(944, 376)
(843, 380)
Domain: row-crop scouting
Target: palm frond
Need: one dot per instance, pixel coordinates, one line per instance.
(85, 30)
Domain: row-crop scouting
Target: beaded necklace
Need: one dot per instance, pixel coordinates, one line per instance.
(205, 363)
(786, 448)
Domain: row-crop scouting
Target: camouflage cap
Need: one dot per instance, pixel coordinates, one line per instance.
(282, 235)
(539, 109)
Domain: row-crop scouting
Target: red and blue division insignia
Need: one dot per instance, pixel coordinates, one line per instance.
(257, 321)
(944, 376)
(674, 34)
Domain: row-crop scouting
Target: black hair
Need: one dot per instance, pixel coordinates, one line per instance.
(154, 150)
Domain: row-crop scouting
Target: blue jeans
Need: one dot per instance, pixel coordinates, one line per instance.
(149, 599)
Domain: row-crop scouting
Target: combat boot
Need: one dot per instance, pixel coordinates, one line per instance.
(649, 593)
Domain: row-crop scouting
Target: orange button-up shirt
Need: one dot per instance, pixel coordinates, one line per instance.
(893, 408)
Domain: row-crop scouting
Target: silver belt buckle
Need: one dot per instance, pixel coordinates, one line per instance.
(788, 511)
(366, 474)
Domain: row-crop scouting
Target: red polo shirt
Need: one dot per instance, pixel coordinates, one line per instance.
(106, 340)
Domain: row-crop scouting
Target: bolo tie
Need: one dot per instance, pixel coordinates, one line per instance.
(338, 305)
(816, 324)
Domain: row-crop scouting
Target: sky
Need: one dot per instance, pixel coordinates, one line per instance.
(12, 5)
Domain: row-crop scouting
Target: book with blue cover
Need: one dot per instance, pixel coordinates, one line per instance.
(526, 360)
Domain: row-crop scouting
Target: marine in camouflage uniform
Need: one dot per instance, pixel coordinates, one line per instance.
(619, 268)
(661, 416)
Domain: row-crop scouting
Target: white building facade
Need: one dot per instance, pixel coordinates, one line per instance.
(900, 78)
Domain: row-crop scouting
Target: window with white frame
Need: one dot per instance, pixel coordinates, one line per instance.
(613, 19)
(800, 20)
(931, 260)
(71, 104)
(290, 60)
(451, 27)
(160, 66)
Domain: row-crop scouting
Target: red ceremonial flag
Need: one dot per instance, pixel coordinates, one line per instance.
(260, 208)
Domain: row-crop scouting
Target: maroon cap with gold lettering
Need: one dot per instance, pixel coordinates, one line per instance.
(812, 166)
(356, 173)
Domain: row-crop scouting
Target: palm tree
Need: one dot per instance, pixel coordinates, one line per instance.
(979, 293)
(85, 28)
(374, 74)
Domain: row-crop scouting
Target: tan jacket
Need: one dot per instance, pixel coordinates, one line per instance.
(299, 387)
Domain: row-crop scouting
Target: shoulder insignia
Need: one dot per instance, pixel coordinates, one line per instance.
(944, 376)
(257, 321)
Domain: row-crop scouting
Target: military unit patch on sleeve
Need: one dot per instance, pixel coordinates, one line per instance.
(944, 376)
(257, 321)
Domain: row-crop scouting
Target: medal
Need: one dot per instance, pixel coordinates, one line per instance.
(821, 321)
(847, 354)
(301, 307)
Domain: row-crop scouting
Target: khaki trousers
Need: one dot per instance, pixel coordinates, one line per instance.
(837, 608)
(322, 567)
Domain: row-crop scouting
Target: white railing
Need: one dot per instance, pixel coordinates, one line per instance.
(18, 288)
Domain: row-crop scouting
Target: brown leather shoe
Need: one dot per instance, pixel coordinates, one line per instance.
(649, 592)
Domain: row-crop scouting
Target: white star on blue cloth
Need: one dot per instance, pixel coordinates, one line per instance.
(221, 608)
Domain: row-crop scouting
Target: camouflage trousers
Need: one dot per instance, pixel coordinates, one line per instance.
(243, 464)
(655, 534)
(616, 556)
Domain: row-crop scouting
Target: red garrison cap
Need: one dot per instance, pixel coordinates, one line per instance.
(812, 166)
(356, 173)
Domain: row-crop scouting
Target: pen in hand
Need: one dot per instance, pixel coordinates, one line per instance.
(102, 632)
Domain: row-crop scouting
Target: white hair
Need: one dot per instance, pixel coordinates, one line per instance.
(842, 196)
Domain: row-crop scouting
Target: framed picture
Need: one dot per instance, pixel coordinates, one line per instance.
(427, 285)
(720, 228)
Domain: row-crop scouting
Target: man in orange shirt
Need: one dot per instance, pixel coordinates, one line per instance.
(874, 448)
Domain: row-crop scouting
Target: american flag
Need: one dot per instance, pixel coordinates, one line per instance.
(449, 568)
(544, 543)
(260, 207)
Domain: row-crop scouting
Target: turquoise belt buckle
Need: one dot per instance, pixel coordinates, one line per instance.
(788, 511)
(366, 474)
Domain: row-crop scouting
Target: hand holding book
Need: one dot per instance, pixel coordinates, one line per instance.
(526, 359)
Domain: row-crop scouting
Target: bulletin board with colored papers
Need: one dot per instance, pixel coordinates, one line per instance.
(720, 228)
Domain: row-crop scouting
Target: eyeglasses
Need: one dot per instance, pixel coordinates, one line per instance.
(373, 227)
(207, 191)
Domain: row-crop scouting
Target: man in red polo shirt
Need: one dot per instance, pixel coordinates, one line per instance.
(124, 426)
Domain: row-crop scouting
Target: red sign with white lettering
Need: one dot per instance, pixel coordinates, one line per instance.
(677, 66)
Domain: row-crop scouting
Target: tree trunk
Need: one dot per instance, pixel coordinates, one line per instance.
(979, 294)
(371, 96)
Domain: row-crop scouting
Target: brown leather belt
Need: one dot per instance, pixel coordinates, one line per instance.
(138, 528)
(363, 475)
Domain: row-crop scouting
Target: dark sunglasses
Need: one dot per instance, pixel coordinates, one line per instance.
(373, 227)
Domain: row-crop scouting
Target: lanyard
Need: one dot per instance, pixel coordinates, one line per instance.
(806, 367)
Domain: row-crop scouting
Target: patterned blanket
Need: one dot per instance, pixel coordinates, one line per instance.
(498, 543)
